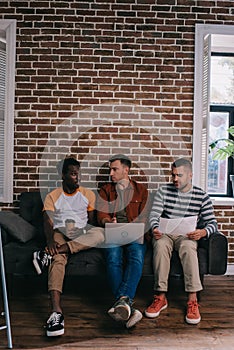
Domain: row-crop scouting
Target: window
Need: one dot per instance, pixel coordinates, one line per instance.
(7, 77)
(222, 77)
(208, 39)
(221, 113)
(221, 117)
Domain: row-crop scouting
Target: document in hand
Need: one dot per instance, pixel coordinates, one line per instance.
(178, 226)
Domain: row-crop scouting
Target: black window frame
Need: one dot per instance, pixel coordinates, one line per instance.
(228, 109)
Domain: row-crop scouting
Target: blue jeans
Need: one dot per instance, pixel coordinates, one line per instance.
(124, 271)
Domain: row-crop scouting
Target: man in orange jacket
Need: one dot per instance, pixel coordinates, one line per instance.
(122, 201)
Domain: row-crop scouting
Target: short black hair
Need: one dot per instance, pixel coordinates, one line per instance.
(64, 164)
(122, 158)
(182, 162)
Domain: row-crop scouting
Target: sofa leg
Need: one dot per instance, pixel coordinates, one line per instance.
(199, 293)
(202, 280)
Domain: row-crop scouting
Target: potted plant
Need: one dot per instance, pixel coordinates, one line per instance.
(224, 148)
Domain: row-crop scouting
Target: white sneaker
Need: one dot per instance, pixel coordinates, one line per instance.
(135, 317)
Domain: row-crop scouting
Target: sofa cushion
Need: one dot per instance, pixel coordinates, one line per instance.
(18, 257)
(18, 260)
(16, 226)
(87, 263)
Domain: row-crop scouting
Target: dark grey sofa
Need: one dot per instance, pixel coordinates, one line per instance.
(23, 234)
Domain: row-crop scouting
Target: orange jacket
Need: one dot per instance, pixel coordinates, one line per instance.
(136, 198)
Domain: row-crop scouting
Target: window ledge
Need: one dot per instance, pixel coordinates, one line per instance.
(222, 201)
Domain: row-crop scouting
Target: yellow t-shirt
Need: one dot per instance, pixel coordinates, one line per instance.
(70, 206)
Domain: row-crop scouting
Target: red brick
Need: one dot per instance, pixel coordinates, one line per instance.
(96, 62)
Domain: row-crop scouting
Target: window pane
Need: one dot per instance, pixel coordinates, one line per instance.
(218, 169)
(222, 80)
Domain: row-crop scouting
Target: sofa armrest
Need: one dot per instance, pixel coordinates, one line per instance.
(16, 226)
(218, 252)
(5, 237)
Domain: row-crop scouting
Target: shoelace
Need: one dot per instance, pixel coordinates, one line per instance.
(54, 318)
(49, 259)
(192, 307)
(157, 300)
(46, 260)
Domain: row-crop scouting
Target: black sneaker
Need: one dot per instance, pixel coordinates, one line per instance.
(55, 325)
(40, 260)
(121, 310)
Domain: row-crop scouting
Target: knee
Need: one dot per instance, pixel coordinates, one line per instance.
(161, 247)
(187, 247)
(188, 251)
(137, 253)
(98, 234)
(59, 259)
(113, 256)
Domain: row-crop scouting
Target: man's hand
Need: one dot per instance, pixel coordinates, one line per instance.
(156, 233)
(109, 220)
(197, 234)
(52, 248)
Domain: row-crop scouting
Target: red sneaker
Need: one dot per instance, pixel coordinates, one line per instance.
(193, 315)
(159, 303)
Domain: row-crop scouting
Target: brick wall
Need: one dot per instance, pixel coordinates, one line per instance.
(97, 77)
(225, 218)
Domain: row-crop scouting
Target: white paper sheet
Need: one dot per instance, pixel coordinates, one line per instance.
(178, 226)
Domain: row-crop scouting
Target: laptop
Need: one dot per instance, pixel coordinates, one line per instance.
(124, 233)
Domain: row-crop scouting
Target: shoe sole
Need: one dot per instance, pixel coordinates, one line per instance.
(113, 315)
(156, 314)
(192, 321)
(123, 312)
(35, 263)
(55, 333)
(136, 317)
(120, 313)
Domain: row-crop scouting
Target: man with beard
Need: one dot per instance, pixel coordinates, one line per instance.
(122, 201)
(179, 200)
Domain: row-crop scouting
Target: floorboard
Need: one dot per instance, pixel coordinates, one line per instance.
(88, 326)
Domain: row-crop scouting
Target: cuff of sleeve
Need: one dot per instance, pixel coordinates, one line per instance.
(104, 220)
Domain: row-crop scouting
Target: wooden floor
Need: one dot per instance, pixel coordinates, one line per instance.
(87, 325)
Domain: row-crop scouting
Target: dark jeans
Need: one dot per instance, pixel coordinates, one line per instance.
(124, 268)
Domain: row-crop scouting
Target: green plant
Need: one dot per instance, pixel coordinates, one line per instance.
(224, 151)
